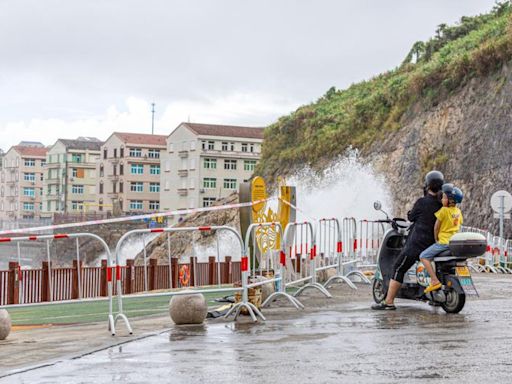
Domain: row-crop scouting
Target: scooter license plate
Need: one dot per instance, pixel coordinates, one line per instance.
(463, 272)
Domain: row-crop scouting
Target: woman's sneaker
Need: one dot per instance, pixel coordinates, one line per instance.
(382, 306)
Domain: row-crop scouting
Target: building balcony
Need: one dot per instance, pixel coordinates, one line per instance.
(183, 154)
(53, 180)
(81, 164)
(113, 195)
(182, 172)
(182, 191)
(114, 160)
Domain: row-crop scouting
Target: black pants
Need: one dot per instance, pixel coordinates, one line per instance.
(404, 261)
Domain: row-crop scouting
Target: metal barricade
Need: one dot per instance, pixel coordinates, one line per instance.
(51, 283)
(244, 267)
(370, 235)
(300, 247)
(330, 248)
(268, 260)
(351, 254)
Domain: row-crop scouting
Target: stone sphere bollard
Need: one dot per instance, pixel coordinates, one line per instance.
(5, 324)
(188, 309)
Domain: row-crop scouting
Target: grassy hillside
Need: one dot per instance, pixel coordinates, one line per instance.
(476, 46)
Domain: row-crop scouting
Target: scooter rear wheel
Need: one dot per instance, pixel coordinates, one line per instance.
(379, 293)
(454, 302)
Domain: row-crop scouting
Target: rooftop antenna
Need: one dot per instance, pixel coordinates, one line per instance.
(152, 118)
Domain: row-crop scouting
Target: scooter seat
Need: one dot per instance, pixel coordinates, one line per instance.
(445, 253)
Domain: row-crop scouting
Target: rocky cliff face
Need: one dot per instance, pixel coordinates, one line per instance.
(468, 136)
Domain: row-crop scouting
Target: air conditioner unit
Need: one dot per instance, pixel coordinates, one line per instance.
(201, 190)
(71, 179)
(33, 183)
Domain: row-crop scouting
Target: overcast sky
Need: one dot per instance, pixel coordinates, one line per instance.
(87, 68)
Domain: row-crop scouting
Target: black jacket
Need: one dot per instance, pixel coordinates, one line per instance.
(422, 215)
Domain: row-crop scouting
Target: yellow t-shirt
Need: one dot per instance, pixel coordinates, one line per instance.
(451, 220)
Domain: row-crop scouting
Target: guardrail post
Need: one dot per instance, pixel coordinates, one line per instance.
(74, 279)
(103, 285)
(212, 276)
(152, 274)
(130, 276)
(227, 270)
(14, 284)
(193, 261)
(174, 267)
(45, 282)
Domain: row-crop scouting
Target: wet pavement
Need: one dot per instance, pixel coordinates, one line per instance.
(333, 341)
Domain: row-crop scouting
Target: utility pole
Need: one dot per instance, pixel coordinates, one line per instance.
(152, 118)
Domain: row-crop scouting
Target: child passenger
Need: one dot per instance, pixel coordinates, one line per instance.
(449, 220)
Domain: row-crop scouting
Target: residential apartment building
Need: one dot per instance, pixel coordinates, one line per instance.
(70, 176)
(129, 173)
(21, 181)
(205, 162)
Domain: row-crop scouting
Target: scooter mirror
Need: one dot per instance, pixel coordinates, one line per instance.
(377, 205)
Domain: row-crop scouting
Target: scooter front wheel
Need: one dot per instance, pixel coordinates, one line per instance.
(454, 302)
(378, 290)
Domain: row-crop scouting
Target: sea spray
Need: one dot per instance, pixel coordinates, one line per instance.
(347, 188)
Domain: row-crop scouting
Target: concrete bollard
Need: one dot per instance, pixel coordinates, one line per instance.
(5, 324)
(188, 309)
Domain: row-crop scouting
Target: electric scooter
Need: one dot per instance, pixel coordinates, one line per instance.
(451, 267)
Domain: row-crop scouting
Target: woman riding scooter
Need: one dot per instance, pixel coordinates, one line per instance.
(421, 237)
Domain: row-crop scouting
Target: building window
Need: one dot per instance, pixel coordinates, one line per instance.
(135, 152)
(137, 169)
(121, 187)
(121, 169)
(209, 182)
(121, 152)
(29, 176)
(136, 204)
(244, 147)
(137, 187)
(154, 153)
(101, 188)
(77, 189)
(74, 172)
(208, 145)
(210, 163)
(229, 183)
(43, 163)
(30, 192)
(41, 176)
(208, 201)
(154, 187)
(77, 205)
(251, 148)
(115, 153)
(105, 153)
(249, 165)
(28, 206)
(76, 158)
(230, 164)
(154, 169)
(154, 205)
(30, 162)
(224, 146)
(102, 172)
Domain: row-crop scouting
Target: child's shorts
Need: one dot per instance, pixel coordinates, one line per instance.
(434, 250)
